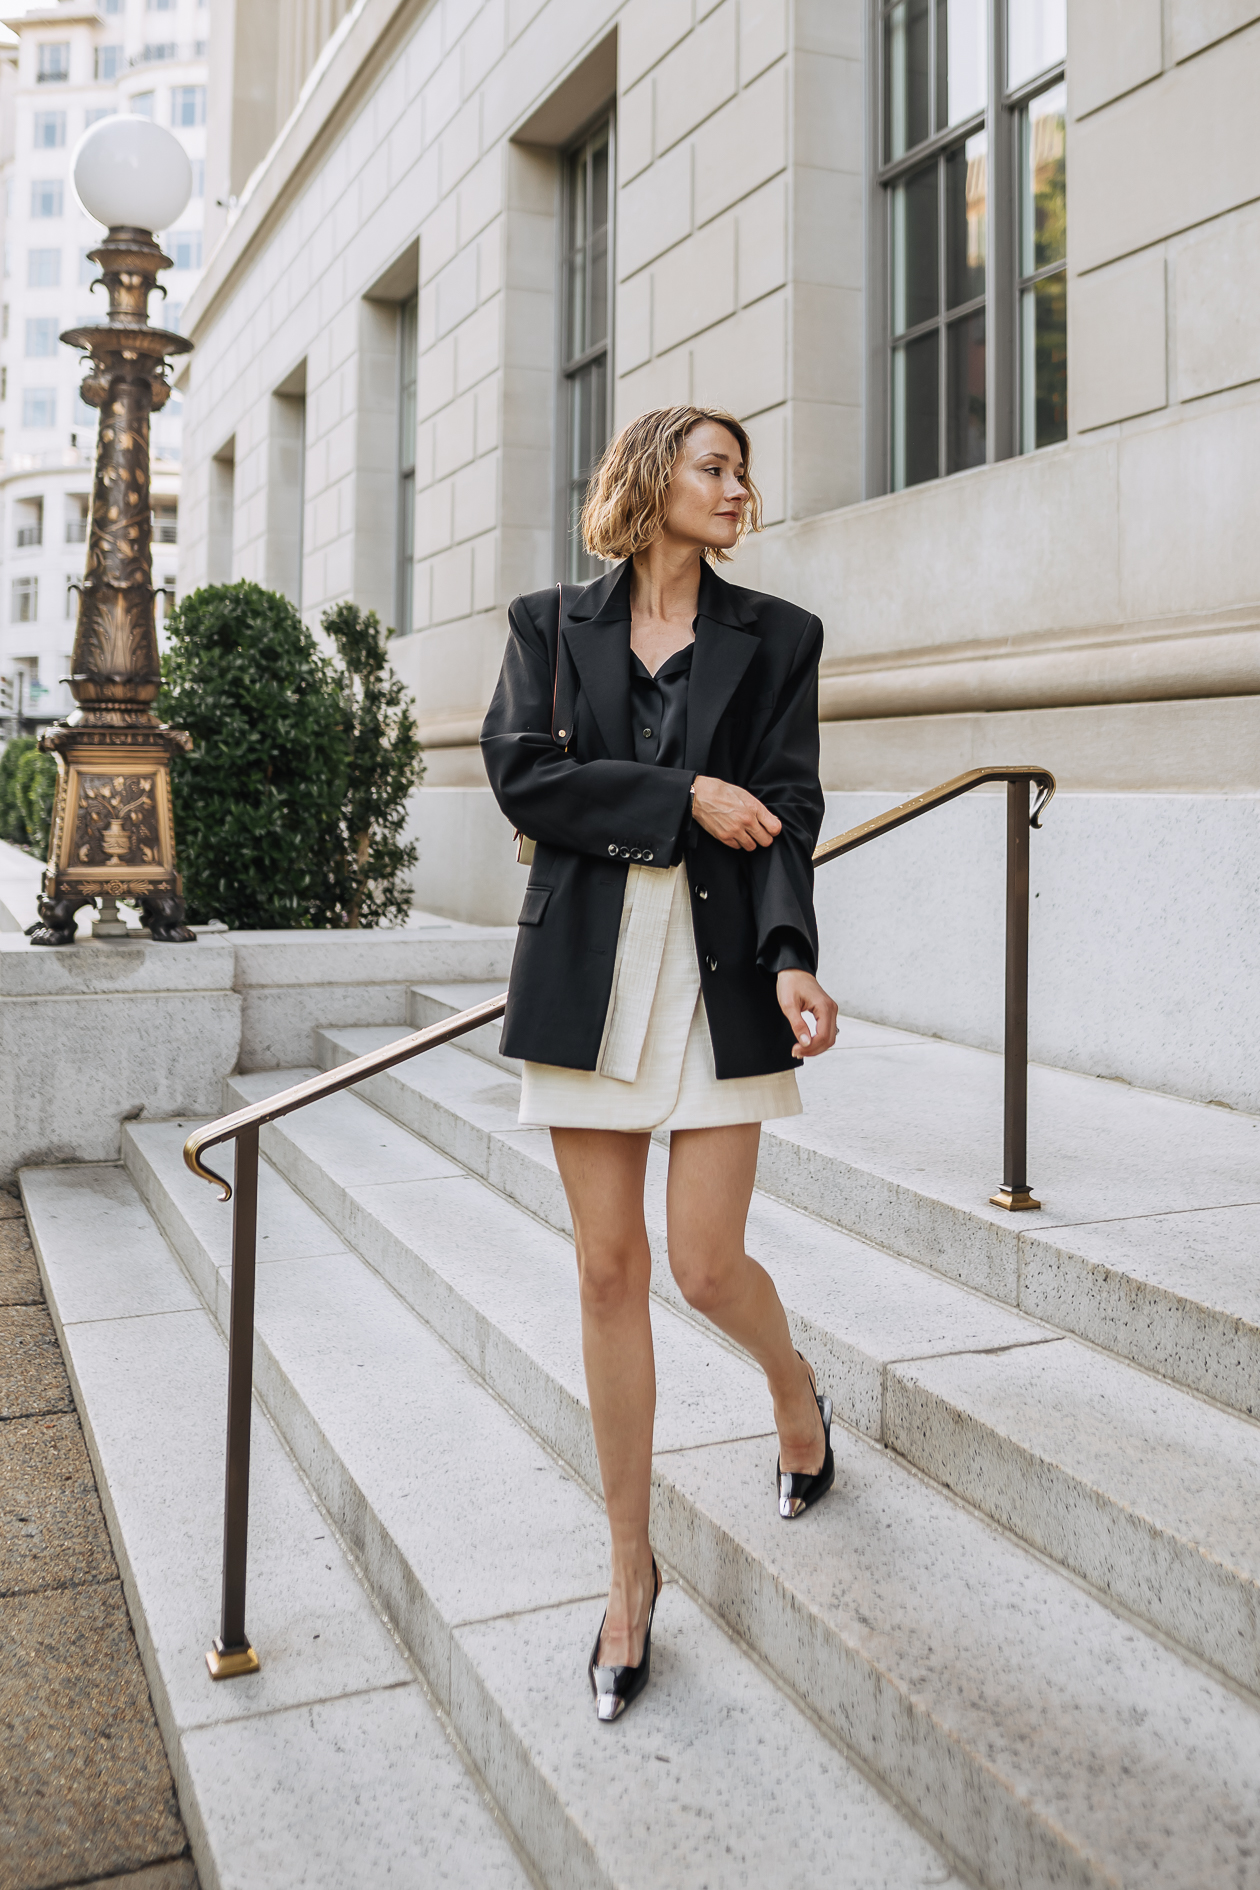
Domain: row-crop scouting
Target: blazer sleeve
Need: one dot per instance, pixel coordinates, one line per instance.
(785, 777)
(595, 807)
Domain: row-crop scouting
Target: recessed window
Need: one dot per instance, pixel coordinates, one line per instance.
(39, 407)
(188, 104)
(586, 380)
(24, 607)
(952, 299)
(198, 177)
(53, 62)
(50, 131)
(408, 364)
(166, 521)
(47, 197)
(43, 269)
(161, 49)
(78, 506)
(142, 105)
(160, 6)
(41, 334)
(109, 62)
(28, 515)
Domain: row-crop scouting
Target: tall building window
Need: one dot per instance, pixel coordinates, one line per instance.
(166, 521)
(53, 62)
(43, 269)
(50, 131)
(47, 197)
(25, 605)
(586, 379)
(41, 334)
(78, 506)
(971, 161)
(109, 61)
(188, 104)
(142, 104)
(185, 248)
(114, 6)
(163, 49)
(39, 406)
(160, 6)
(198, 177)
(408, 368)
(29, 516)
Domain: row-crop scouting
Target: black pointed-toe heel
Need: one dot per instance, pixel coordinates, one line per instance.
(615, 1688)
(799, 1490)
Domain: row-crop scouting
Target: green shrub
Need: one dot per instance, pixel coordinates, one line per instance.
(384, 765)
(28, 782)
(289, 809)
(258, 801)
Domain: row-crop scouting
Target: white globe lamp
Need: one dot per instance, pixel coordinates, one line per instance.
(131, 174)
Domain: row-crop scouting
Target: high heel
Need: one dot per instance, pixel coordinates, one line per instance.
(615, 1688)
(799, 1490)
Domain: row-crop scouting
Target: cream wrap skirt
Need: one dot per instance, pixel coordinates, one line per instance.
(655, 1066)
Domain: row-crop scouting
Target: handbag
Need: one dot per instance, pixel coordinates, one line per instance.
(524, 845)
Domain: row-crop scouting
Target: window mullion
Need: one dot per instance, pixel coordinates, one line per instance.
(1002, 295)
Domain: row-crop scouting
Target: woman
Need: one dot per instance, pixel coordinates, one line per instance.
(656, 735)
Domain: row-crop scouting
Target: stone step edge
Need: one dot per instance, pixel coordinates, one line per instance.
(677, 1518)
(382, 1567)
(1201, 1348)
(201, 1823)
(1178, 1587)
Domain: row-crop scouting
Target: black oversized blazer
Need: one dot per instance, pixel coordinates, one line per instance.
(559, 754)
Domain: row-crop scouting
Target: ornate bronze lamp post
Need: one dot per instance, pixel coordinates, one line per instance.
(112, 831)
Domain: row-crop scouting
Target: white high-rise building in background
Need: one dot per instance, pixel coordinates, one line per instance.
(65, 66)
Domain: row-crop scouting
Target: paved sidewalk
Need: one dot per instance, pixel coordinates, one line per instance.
(86, 1795)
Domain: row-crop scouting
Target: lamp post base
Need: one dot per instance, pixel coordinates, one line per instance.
(231, 1665)
(1014, 1200)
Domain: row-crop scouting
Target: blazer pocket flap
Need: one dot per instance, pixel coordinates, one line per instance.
(534, 905)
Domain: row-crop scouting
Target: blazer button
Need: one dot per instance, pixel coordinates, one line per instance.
(635, 854)
(625, 853)
(648, 733)
(647, 856)
(711, 963)
(702, 892)
(612, 848)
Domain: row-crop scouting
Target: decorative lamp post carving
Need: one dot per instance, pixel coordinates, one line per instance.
(112, 831)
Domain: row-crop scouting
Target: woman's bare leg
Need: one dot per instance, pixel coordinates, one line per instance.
(602, 1171)
(711, 1175)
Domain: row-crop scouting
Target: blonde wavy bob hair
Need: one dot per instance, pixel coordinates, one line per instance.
(628, 495)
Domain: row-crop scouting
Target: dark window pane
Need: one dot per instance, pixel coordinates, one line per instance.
(907, 77)
(962, 60)
(916, 411)
(588, 406)
(1043, 181)
(966, 220)
(916, 284)
(1043, 325)
(965, 402)
(576, 311)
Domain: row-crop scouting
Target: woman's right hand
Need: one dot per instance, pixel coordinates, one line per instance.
(732, 815)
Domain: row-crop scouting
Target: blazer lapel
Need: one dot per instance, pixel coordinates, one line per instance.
(600, 653)
(723, 652)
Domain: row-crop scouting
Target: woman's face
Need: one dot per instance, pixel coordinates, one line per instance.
(706, 491)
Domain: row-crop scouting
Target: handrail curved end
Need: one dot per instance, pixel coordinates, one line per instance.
(1046, 785)
(192, 1159)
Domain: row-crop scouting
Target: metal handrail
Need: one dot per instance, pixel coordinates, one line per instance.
(232, 1654)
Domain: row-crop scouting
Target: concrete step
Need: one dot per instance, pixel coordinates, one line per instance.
(1136, 1485)
(331, 1765)
(1044, 1739)
(490, 1559)
(1148, 1238)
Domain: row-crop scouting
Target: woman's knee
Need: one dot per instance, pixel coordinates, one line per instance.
(612, 1277)
(703, 1278)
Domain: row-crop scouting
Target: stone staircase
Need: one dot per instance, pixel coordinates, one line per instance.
(1019, 1646)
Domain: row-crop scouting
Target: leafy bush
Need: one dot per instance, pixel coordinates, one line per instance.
(288, 810)
(28, 783)
(383, 766)
(258, 801)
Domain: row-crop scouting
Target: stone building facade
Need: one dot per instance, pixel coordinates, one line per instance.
(979, 277)
(65, 66)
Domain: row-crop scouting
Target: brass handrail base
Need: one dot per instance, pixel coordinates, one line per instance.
(1014, 1200)
(230, 1666)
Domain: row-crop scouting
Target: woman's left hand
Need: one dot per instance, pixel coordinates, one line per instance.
(799, 992)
